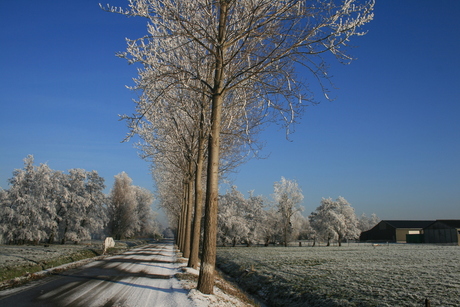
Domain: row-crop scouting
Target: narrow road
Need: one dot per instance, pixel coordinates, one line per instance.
(140, 277)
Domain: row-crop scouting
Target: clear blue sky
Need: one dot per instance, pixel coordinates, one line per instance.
(389, 142)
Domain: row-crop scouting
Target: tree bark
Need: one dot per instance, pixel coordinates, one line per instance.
(208, 263)
(181, 230)
(196, 232)
(188, 218)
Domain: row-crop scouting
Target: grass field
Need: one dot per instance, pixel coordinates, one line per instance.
(351, 275)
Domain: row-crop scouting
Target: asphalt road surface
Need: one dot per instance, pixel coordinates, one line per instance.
(140, 277)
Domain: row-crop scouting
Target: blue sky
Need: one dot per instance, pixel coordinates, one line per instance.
(389, 142)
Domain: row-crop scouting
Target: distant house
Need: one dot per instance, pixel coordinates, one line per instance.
(394, 230)
(443, 231)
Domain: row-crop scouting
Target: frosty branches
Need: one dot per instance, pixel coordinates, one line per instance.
(235, 63)
(335, 220)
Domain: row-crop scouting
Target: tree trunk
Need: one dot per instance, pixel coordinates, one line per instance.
(196, 232)
(65, 232)
(188, 218)
(208, 263)
(285, 234)
(51, 238)
(181, 230)
(206, 278)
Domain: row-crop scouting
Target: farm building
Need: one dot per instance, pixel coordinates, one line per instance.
(443, 231)
(394, 230)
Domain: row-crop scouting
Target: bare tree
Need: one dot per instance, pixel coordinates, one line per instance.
(255, 45)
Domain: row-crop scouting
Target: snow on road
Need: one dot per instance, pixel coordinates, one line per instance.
(140, 277)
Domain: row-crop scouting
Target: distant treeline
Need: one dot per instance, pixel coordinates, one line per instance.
(42, 204)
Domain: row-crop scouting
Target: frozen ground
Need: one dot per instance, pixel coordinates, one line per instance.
(23, 255)
(143, 276)
(351, 275)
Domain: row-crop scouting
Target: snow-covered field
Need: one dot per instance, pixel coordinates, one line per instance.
(351, 275)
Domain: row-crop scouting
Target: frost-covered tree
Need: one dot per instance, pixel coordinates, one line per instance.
(168, 194)
(122, 211)
(287, 196)
(97, 211)
(240, 219)
(82, 209)
(5, 212)
(365, 223)
(335, 220)
(252, 44)
(300, 226)
(28, 212)
(145, 214)
(232, 225)
(79, 203)
(271, 227)
(254, 218)
(129, 210)
(44, 204)
(320, 225)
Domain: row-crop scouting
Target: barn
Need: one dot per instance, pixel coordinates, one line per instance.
(443, 231)
(394, 230)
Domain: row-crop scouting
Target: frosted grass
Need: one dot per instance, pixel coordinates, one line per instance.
(351, 275)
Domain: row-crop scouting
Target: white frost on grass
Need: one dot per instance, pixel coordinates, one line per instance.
(351, 275)
(19, 255)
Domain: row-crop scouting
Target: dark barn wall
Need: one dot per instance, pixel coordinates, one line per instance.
(380, 232)
(440, 232)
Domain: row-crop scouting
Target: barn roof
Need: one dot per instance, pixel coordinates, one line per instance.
(408, 223)
(450, 223)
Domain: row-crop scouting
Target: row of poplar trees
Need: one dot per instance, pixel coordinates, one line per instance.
(211, 75)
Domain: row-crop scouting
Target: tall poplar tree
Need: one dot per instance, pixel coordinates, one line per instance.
(255, 45)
